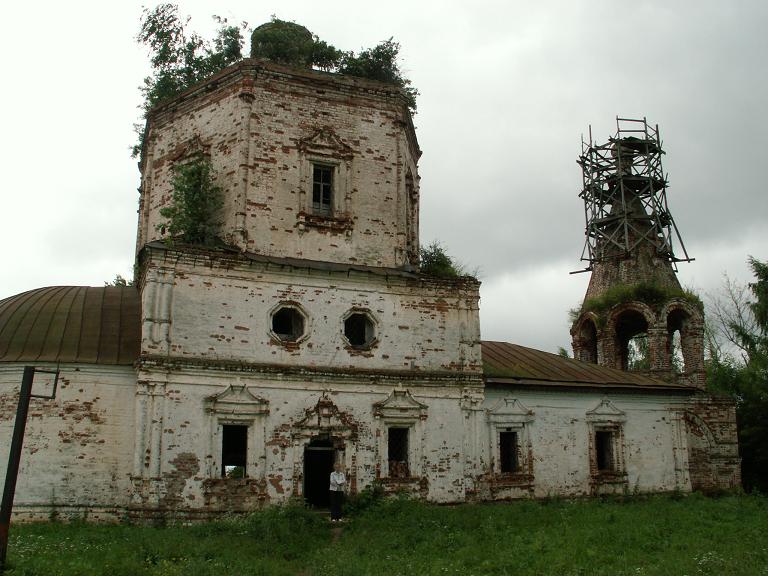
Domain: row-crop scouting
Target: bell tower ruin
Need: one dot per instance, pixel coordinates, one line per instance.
(635, 315)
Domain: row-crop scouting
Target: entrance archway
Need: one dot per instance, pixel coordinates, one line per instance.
(319, 456)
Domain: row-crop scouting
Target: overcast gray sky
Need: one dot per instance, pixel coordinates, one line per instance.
(507, 90)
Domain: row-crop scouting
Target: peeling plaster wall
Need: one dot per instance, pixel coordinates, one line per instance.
(112, 445)
(78, 448)
(212, 312)
(652, 442)
(262, 127)
(181, 474)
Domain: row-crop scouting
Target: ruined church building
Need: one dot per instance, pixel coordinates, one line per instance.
(233, 378)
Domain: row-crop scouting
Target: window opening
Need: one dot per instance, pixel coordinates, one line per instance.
(288, 324)
(676, 324)
(632, 338)
(604, 450)
(589, 337)
(397, 452)
(508, 451)
(637, 353)
(358, 328)
(234, 450)
(411, 242)
(322, 188)
(677, 362)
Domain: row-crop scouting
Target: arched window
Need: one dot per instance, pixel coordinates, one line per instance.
(632, 341)
(588, 336)
(677, 340)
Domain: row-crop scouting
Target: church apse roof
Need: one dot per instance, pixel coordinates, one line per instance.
(507, 363)
(77, 324)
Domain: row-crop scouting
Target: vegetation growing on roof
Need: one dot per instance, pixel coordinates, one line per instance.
(654, 295)
(379, 63)
(435, 261)
(181, 58)
(192, 216)
(292, 44)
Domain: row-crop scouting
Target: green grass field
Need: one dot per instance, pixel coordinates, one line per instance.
(689, 535)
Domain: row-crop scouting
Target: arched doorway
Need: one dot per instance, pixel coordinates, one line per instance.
(319, 457)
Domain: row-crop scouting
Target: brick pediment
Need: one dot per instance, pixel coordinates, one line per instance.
(510, 410)
(325, 142)
(605, 411)
(400, 404)
(236, 399)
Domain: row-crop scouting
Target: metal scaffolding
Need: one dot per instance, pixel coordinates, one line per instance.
(625, 196)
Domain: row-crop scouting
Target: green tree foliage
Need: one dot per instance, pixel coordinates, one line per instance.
(380, 63)
(294, 45)
(181, 58)
(119, 281)
(746, 379)
(638, 357)
(192, 217)
(435, 261)
(652, 294)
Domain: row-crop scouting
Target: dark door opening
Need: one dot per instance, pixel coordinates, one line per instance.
(319, 457)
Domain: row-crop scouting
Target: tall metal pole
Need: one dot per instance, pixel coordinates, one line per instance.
(14, 457)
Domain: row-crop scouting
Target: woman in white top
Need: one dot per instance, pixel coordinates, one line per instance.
(338, 485)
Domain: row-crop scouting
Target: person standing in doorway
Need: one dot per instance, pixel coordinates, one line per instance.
(338, 485)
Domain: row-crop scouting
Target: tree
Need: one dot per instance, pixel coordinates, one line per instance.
(192, 217)
(119, 281)
(181, 58)
(380, 63)
(294, 45)
(435, 261)
(742, 318)
(732, 316)
(638, 357)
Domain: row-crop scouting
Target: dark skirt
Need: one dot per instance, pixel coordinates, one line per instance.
(337, 499)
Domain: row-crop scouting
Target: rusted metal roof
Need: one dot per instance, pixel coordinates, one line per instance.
(71, 324)
(507, 363)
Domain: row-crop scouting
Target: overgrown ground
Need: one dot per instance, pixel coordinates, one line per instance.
(690, 535)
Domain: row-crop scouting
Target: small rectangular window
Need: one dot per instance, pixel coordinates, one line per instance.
(604, 450)
(322, 189)
(508, 451)
(234, 451)
(397, 453)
